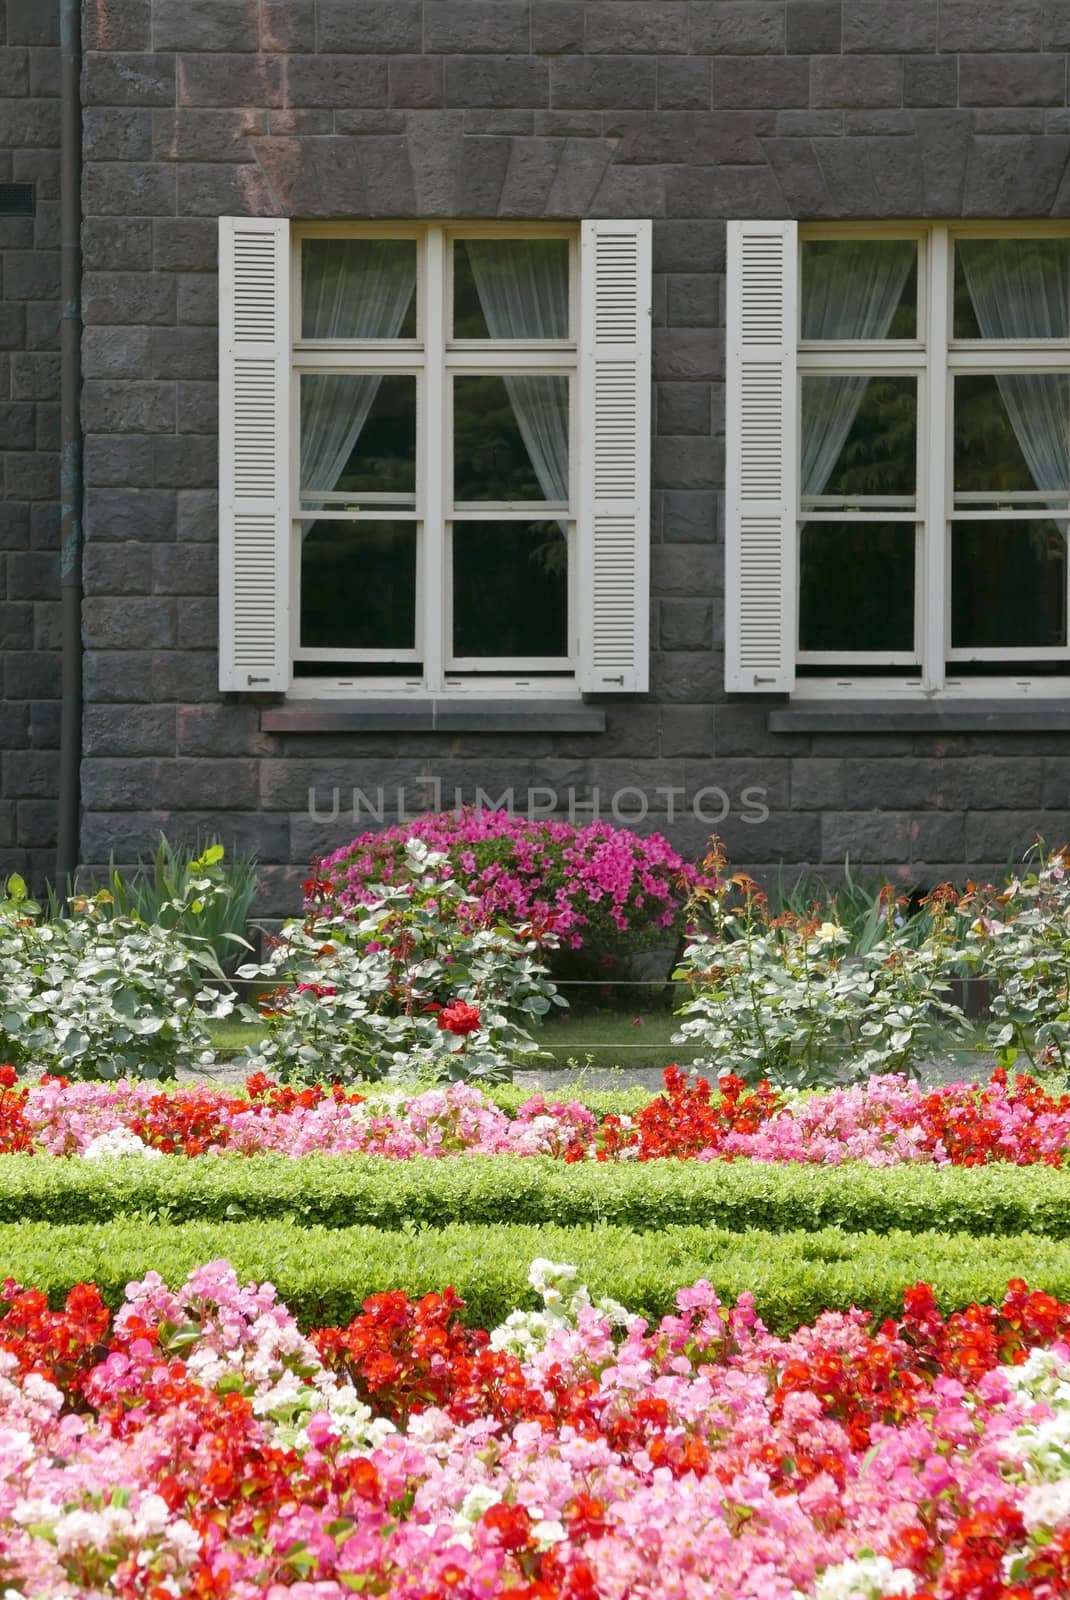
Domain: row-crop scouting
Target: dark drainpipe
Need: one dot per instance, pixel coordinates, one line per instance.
(70, 481)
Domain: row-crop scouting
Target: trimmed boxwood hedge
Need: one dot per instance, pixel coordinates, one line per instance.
(344, 1191)
(325, 1274)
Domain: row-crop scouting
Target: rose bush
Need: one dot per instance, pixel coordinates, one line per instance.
(200, 1444)
(418, 983)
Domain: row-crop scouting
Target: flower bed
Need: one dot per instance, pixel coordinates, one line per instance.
(199, 1444)
(886, 1122)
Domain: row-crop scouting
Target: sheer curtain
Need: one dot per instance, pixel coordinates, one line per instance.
(1020, 289)
(523, 290)
(352, 289)
(852, 294)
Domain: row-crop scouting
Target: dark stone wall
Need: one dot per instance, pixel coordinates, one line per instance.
(687, 111)
(29, 433)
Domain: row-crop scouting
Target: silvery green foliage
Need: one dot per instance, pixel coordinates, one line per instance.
(360, 996)
(93, 995)
(1019, 939)
(782, 1000)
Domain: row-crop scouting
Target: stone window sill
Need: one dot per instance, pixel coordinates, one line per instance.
(949, 716)
(432, 716)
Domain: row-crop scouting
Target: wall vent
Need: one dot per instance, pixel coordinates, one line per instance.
(16, 199)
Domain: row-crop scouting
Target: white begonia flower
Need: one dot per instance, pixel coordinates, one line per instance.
(119, 1142)
(1046, 1505)
(865, 1578)
(548, 1532)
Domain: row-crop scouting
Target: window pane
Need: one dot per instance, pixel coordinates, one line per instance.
(358, 289)
(859, 289)
(859, 436)
(358, 585)
(856, 586)
(1012, 289)
(1008, 584)
(510, 438)
(1012, 433)
(510, 289)
(358, 436)
(510, 589)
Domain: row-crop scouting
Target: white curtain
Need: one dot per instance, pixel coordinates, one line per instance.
(1020, 289)
(523, 289)
(851, 291)
(350, 289)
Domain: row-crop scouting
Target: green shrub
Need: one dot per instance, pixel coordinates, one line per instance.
(324, 1275)
(343, 1191)
(100, 994)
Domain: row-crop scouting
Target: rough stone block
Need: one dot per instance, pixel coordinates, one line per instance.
(117, 133)
(686, 624)
(116, 243)
(129, 730)
(1012, 80)
(112, 352)
(499, 81)
(31, 275)
(814, 27)
(844, 81)
(128, 297)
(124, 25)
(220, 730)
(180, 463)
(416, 82)
(763, 82)
(477, 27)
(111, 783)
(203, 783)
(198, 407)
(17, 425)
(32, 575)
(683, 408)
(640, 27)
(29, 22)
(974, 25)
(287, 25)
(128, 80)
(375, 27)
(732, 27)
(114, 677)
(874, 26)
(607, 83)
(128, 623)
(185, 675)
(210, 25)
(125, 515)
(185, 570)
(122, 406)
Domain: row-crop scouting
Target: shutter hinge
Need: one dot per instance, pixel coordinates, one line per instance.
(251, 680)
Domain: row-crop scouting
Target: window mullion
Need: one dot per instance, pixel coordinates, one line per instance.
(432, 473)
(936, 466)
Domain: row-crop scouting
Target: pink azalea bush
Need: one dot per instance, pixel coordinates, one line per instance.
(592, 885)
(204, 1446)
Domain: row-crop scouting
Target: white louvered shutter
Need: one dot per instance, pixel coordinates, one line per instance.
(760, 456)
(614, 447)
(254, 453)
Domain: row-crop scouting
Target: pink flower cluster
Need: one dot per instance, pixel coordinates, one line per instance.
(585, 884)
(207, 1450)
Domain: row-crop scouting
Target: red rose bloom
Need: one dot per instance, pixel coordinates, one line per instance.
(8, 1076)
(459, 1017)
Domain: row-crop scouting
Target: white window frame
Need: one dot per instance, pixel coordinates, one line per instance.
(435, 358)
(935, 359)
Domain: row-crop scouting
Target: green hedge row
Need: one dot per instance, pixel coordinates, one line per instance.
(324, 1274)
(344, 1191)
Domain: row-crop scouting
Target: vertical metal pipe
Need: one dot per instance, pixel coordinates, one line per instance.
(71, 476)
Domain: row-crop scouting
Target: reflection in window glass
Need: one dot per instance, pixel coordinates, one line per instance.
(859, 289)
(510, 289)
(358, 289)
(358, 435)
(859, 436)
(1012, 433)
(1012, 289)
(358, 585)
(1008, 585)
(856, 586)
(510, 589)
(510, 438)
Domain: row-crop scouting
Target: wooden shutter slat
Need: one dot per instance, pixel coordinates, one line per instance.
(614, 524)
(254, 453)
(760, 464)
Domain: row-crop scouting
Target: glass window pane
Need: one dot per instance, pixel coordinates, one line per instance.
(1008, 584)
(1012, 433)
(859, 436)
(358, 436)
(510, 289)
(859, 289)
(358, 289)
(856, 586)
(1012, 289)
(510, 589)
(510, 438)
(358, 585)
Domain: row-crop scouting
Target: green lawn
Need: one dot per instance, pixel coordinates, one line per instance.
(592, 1039)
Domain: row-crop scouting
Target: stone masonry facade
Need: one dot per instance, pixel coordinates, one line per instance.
(29, 441)
(685, 111)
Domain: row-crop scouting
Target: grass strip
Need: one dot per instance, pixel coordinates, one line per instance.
(346, 1191)
(324, 1275)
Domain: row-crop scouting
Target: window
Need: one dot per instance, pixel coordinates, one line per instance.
(899, 459)
(405, 401)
